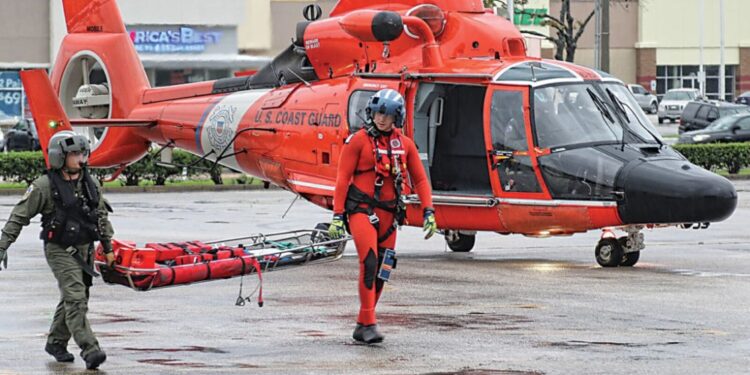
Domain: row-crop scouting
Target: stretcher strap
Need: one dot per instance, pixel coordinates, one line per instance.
(254, 262)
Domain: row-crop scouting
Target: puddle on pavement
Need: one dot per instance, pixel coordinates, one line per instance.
(208, 202)
(528, 306)
(473, 320)
(305, 301)
(586, 344)
(686, 272)
(246, 365)
(313, 333)
(118, 334)
(536, 264)
(173, 363)
(200, 349)
(115, 318)
(485, 372)
(426, 304)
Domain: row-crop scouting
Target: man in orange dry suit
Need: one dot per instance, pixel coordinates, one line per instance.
(373, 167)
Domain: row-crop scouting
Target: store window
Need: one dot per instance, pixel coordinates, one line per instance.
(169, 77)
(13, 102)
(686, 76)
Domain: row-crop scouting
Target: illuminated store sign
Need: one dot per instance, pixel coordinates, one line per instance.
(174, 40)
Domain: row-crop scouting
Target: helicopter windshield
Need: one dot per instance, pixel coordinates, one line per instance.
(584, 113)
(638, 124)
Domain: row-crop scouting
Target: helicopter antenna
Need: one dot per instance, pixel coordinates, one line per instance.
(290, 206)
(300, 78)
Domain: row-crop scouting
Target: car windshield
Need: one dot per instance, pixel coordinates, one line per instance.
(733, 111)
(582, 113)
(723, 123)
(22, 125)
(678, 95)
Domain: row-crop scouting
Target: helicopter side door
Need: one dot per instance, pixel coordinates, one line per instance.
(525, 205)
(514, 167)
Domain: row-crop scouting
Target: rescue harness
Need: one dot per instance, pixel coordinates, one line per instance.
(389, 153)
(76, 219)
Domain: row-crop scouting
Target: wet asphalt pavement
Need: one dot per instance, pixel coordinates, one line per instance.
(514, 305)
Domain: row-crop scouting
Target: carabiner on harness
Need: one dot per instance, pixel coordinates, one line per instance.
(374, 220)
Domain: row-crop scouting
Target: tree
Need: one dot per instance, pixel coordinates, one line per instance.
(567, 30)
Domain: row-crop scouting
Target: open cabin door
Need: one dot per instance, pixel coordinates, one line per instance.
(449, 133)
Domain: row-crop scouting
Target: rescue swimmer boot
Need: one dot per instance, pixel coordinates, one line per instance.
(60, 353)
(367, 334)
(94, 359)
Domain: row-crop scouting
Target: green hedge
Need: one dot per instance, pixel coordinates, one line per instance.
(27, 166)
(729, 156)
(21, 166)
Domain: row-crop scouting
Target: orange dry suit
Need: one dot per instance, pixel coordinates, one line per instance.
(373, 170)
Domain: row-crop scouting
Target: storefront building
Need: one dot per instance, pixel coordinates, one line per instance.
(669, 45)
(24, 41)
(657, 43)
(181, 41)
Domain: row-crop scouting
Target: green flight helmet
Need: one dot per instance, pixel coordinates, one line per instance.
(62, 143)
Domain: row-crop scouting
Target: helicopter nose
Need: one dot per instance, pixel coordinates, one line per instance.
(673, 191)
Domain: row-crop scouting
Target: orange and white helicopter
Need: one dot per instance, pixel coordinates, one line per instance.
(511, 143)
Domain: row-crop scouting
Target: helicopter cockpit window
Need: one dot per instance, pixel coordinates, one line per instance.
(604, 74)
(508, 136)
(566, 115)
(637, 122)
(534, 72)
(582, 174)
(357, 103)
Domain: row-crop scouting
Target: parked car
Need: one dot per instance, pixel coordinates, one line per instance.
(22, 137)
(734, 128)
(744, 98)
(645, 99)
(698, 114)
(673, 102)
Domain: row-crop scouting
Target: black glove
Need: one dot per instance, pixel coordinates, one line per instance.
(106, 246)
(3, 259)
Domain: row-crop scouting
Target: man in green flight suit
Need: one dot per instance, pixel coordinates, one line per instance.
(74, 215)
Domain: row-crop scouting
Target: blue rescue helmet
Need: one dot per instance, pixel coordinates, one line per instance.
(389, 102)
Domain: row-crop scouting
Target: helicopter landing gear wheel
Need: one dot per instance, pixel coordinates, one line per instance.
(623, 251)
(630, 259)
(608, 252)
(459, 242)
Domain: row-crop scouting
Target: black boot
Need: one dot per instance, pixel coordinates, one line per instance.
(60, 353)
(367, 334)
(94, 359)
(357, 335)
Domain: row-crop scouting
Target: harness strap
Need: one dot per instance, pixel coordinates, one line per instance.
(84, 266)
(254, 262)
(390, 166)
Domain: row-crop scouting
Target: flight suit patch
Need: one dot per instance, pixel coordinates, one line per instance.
(27, 194)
